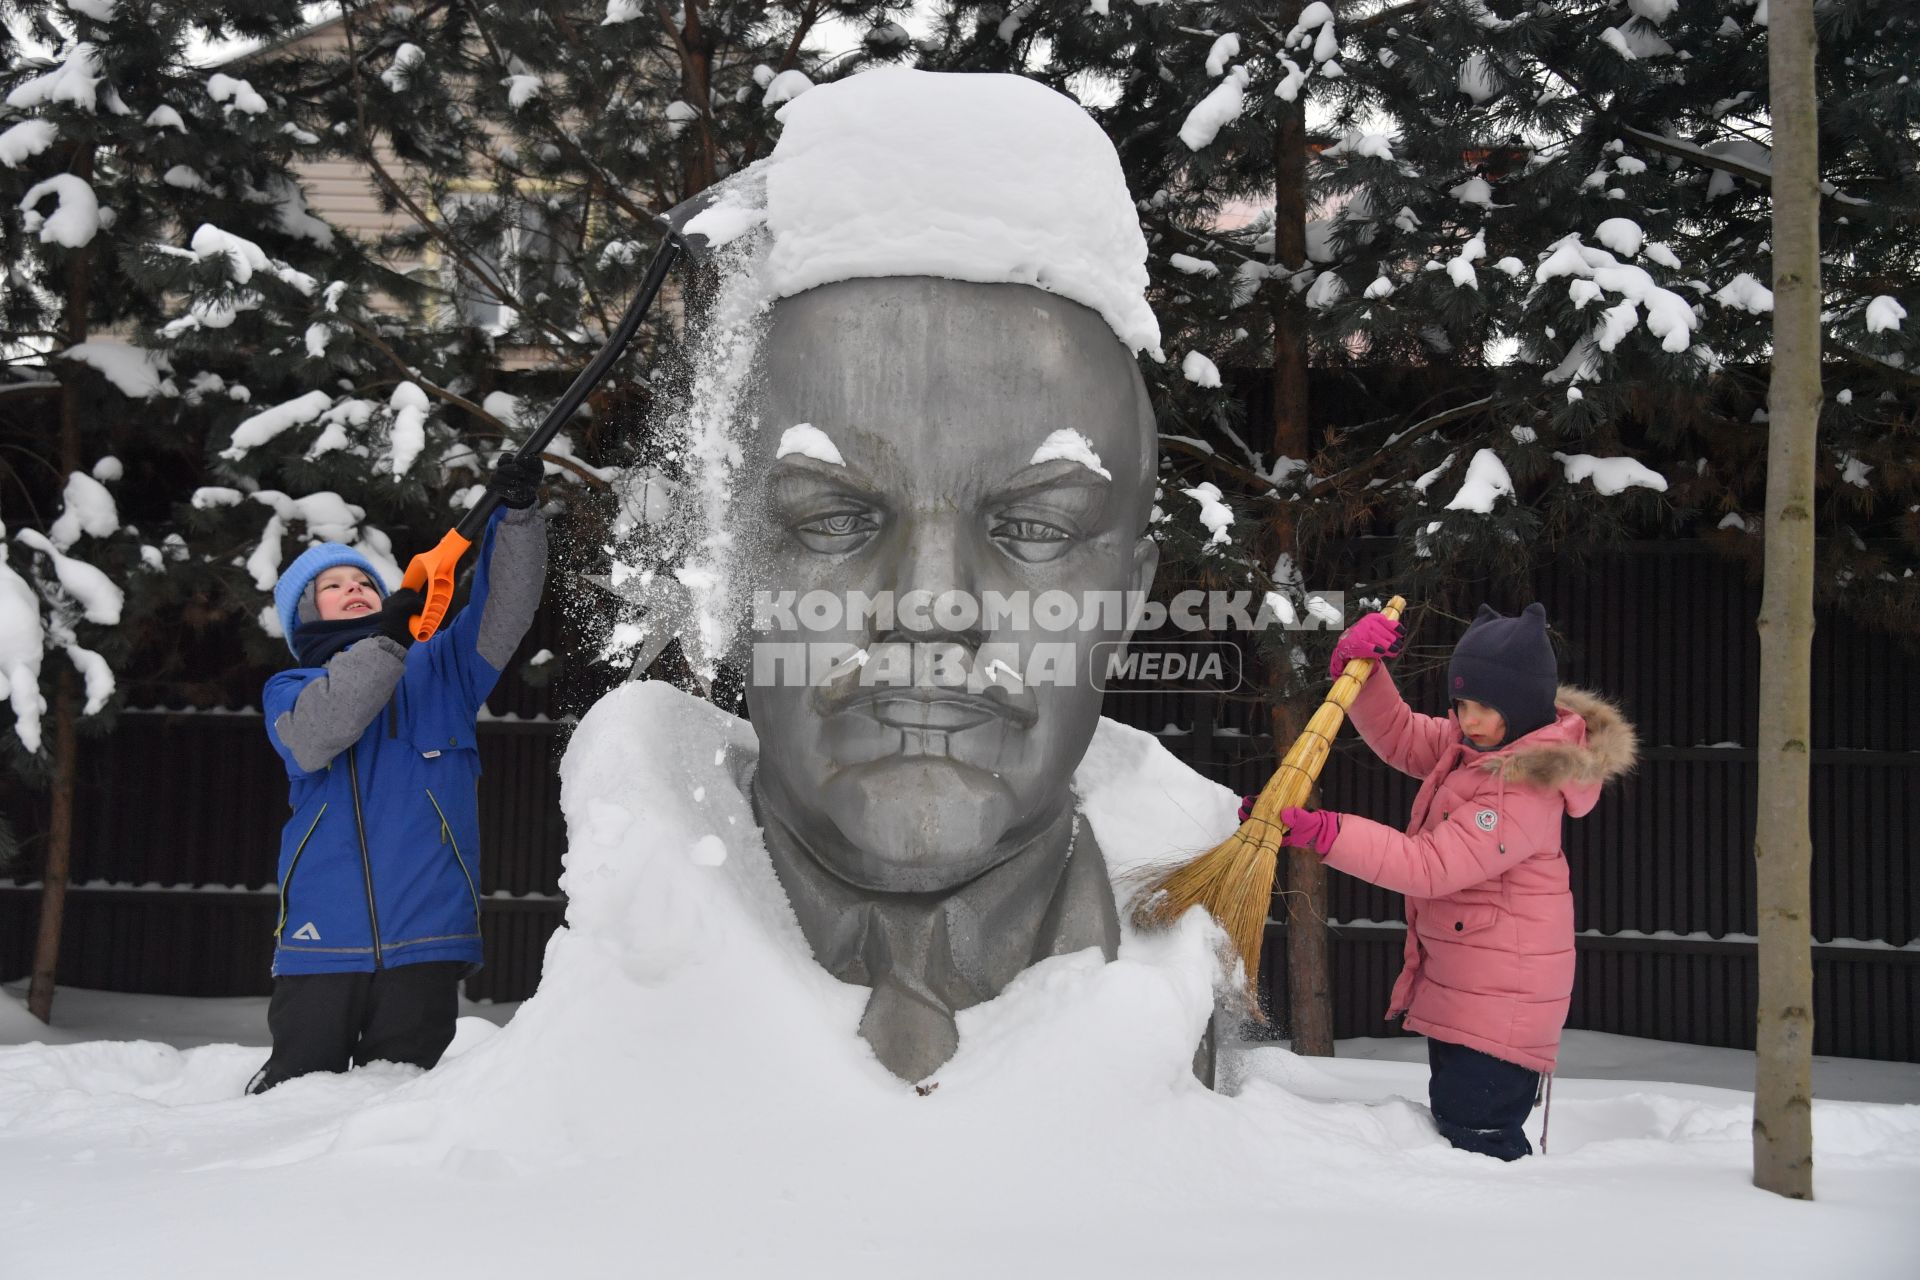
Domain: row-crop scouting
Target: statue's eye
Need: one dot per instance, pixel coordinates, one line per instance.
(1034, 541)
(838, 532)
(1029, 531)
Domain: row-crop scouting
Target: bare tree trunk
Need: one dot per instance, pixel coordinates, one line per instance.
(66, 710)
(1783, 847)
(1309, 987)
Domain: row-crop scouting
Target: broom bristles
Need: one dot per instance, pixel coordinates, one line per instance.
(1234, 879)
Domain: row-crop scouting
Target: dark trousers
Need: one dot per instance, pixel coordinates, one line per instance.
(1479, 1101)
(330, 1021)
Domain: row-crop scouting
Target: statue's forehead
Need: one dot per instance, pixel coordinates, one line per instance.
(941, 386)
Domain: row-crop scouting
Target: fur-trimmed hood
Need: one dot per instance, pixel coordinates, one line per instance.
(1588, 744)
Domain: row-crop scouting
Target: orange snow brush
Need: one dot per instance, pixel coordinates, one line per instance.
(1234, 880)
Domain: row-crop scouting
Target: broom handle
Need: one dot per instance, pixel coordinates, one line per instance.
(1293, 781)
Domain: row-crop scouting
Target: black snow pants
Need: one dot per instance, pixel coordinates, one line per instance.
(1480, 1101)
(330, 1021)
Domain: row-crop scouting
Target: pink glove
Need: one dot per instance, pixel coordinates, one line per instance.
(1374, 636)
(1314, 829)
(1246, 807)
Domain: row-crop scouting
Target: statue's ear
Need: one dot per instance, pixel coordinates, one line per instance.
(1487, 611)
(1146, 562)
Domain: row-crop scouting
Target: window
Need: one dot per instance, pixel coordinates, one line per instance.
(519, 245)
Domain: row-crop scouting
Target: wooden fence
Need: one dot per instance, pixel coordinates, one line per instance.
(179, 815)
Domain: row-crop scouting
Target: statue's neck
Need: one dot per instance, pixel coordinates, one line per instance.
(830, 854)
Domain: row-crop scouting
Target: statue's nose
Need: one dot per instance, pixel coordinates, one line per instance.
(934, 578)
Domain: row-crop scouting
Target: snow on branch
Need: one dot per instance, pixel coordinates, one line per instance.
(1216, 111)
(1486, 483)
(74, 81)
(87, 508)
(268, 423)
(1224, 50)
(137, 372)
(1884, 313)
(244, 257)
(1669, 316)
(100, 601)
(1610, 476)
(25, 140)
(22, 642)
(1215, 515)
(76, 216)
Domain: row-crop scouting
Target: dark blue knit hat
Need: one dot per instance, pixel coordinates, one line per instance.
(1508, 664)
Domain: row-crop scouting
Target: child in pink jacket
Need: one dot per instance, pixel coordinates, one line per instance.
(1489, 951)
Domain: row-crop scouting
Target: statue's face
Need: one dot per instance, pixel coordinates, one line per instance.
(936, 395)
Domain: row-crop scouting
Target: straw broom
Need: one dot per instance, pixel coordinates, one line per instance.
(1234, 881)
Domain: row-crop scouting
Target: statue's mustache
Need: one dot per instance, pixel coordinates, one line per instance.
(927, 671)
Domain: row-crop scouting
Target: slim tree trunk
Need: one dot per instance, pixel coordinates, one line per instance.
(66, 701)
(1783, 846)
(696, 79)
(53, 881)
(1309, 987)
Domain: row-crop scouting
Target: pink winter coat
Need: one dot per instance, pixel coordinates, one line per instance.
(1489, 953)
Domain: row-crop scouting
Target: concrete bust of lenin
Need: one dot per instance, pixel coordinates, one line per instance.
(946, 407)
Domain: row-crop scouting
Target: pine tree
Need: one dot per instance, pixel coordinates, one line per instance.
(1572, 200)
(114, 148)
(522, 154)
(1534, 244)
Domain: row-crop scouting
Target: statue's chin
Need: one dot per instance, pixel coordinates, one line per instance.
(916, 825)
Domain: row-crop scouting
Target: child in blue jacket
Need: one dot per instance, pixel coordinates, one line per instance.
(379, 865)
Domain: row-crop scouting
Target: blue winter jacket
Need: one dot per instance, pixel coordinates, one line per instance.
(380, 862)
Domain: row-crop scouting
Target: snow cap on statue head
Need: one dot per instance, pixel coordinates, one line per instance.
(991, 179)
(1508, 664)
(293, 596)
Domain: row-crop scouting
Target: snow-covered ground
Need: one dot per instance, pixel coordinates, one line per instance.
(687, 1095)
(128, 1150)
(187, 1023)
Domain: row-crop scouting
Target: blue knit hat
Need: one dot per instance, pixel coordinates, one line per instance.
(299, 575)
(1508, 664)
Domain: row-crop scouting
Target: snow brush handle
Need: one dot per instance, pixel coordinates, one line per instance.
(432, 574)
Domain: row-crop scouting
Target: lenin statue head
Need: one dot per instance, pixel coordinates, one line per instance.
(943, 490)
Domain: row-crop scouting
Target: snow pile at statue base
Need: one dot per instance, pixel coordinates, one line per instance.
(682, 971)
(688, 1095)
